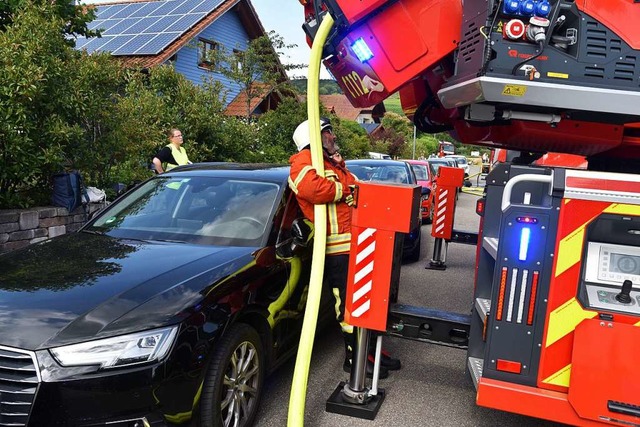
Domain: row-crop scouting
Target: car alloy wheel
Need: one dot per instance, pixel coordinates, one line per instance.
(233, 386)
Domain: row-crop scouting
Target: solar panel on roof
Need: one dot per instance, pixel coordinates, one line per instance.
(142, 25)
(95, 43)
(157, 44)
(167, 7)
(107, 24)
(134, 44)
(161, 25)
(146, 28)
(206, 6)
(123, 26)
(128, 11)
(184, 7)
(147, 9)
(115, 43)
(81, 41)
(108, 12)
(184, 23)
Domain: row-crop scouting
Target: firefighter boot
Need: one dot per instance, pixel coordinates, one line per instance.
(386, 360)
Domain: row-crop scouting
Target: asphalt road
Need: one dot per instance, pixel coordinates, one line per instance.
(432, 388)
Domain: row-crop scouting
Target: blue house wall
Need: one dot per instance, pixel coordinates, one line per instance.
(228, 31)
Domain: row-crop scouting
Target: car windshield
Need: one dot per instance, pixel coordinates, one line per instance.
(421, 171)
(381, 173)
(435, 165)
(203, 210)
(461, 161)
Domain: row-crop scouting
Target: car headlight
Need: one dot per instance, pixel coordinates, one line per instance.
(125, 350)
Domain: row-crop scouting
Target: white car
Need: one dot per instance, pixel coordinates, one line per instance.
(462, 163)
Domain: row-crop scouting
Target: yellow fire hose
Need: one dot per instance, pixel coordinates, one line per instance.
(297, 399)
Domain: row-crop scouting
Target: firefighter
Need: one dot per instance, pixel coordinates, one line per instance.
(334, 190)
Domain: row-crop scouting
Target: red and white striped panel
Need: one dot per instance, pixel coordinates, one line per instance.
(441, 212)
(362, 283)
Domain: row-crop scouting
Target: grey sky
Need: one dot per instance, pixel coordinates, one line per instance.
(285, 17)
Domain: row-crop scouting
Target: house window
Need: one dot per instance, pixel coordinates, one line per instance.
(206, 53)
(238, 60)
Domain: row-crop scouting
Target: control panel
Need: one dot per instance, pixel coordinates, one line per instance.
(608, 266)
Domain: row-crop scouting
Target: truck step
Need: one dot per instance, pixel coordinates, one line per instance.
(483, 306)
(475, 369)
(490, 244)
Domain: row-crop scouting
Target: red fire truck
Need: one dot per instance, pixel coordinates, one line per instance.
(555, 322)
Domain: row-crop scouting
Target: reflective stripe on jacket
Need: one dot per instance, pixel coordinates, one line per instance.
(311, 189)
(179, 155)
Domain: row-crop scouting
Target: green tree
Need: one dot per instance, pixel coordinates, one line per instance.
(74, 18)
(351, 138)
(257, 70)
(275, 130)
(35, 103)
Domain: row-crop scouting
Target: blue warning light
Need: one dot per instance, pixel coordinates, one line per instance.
(525, 236)
(361, 50)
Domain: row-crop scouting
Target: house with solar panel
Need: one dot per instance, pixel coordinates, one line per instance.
(182, 33)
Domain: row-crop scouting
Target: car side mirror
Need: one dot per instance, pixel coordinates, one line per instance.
(302, 233)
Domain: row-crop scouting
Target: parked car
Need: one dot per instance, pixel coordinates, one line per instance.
(423, 175)
(170, 306)
(391, 172)
(461, 162)
(436, 162)
(374, 155)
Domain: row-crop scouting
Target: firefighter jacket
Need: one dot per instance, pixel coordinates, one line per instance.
(312, 189)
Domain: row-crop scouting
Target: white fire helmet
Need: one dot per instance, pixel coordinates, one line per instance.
(301, 134)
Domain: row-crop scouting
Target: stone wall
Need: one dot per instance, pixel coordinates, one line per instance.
(21, 227)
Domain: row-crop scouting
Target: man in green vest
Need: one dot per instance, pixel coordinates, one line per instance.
(172, 154)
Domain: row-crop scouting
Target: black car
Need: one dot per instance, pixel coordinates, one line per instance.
(168, 308)
(391, 172)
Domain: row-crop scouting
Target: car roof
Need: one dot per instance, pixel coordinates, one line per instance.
(271, 172)
(416, 162)
(376, 162)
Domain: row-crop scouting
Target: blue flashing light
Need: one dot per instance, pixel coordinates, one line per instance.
(525, 235)
(361, 50)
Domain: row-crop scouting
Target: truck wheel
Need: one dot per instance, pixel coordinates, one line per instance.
(233, 383)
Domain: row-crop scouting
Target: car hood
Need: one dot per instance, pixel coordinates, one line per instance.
(83, 286)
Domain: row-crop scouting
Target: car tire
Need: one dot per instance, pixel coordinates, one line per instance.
(232, 391)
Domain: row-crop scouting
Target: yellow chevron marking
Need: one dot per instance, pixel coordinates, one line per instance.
(622, 209)
(564, 319)
(560, 378)
(637, 324)
(570, 250)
